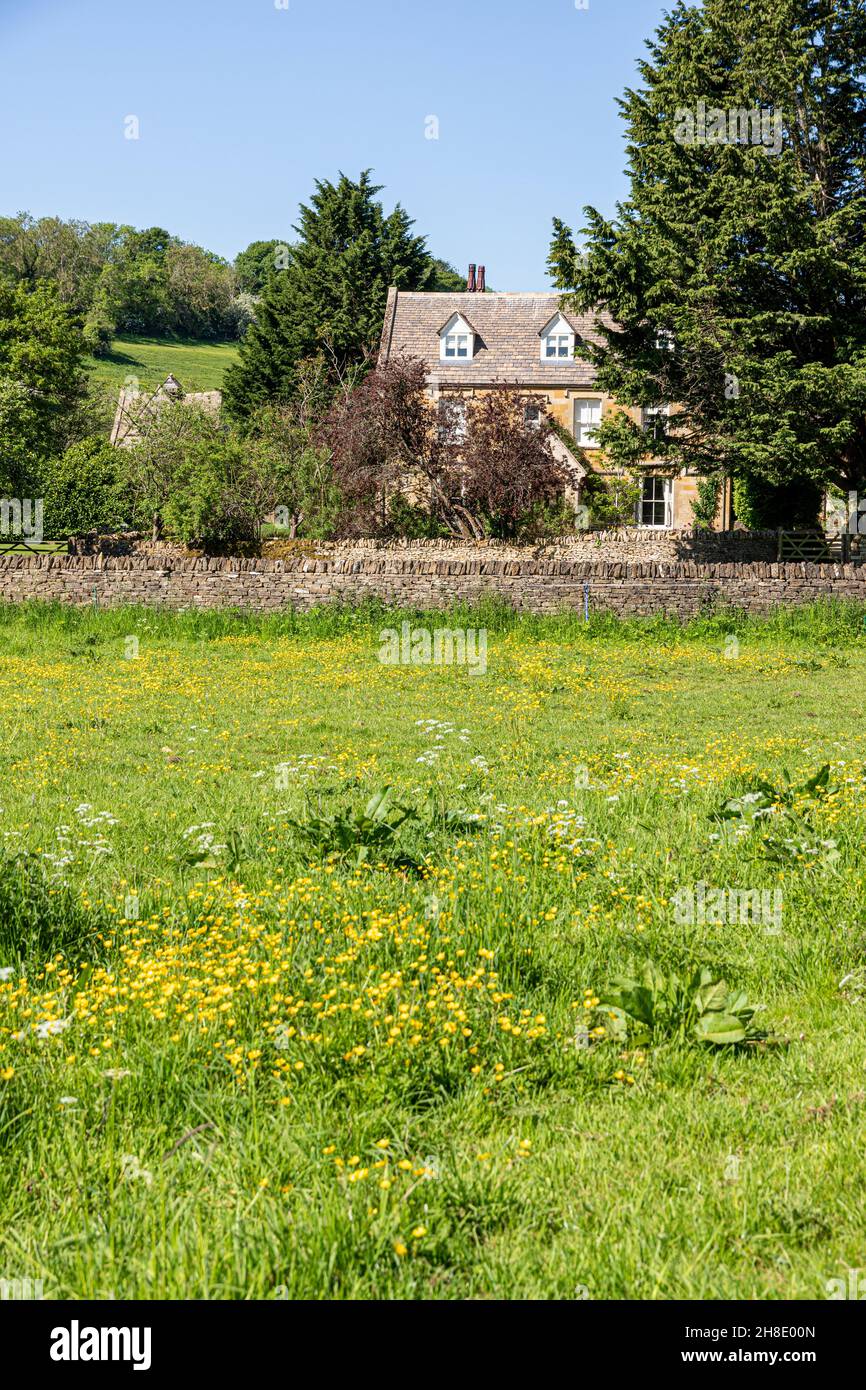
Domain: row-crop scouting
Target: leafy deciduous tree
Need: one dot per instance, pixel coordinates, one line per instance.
(295, 468)
(86, 490)
(255, 265)
(42, 385)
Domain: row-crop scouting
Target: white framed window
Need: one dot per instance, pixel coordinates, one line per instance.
(452, 419)
(587, 418)
(532, 417)
(558, 345)
(664, 340)
(557, 340)
(653, 418)
(655, 507)
(457, 345)
(456, 341)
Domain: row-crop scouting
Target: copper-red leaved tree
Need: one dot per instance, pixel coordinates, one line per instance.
(509, 472)
(386, 443)
(476, 467)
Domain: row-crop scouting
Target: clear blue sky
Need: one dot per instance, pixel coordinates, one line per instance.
(242, 105)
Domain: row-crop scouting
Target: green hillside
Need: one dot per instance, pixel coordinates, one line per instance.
(197, 366)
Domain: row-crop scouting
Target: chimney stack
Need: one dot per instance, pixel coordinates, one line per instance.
(470, 283)
(482, 280)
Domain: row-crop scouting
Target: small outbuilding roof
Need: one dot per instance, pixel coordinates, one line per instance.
(134, 406)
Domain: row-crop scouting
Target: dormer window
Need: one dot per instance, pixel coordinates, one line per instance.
(457, 345)
(557, 340)
(457, 340)
(557, 345)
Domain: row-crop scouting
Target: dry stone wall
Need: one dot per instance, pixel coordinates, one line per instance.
(631, 545)
(425, 577)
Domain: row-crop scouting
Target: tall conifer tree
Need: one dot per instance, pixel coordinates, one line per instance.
(736, 268)
(331, 292)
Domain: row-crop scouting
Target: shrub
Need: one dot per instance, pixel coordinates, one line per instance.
(706, 503)
(413, 523)
(196, 479)
(611, 501)
(216, 501)
(99, 329)
(761, 506)
(85, 490)
(294, 469)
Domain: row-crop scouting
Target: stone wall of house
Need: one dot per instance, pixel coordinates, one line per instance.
(422, 577)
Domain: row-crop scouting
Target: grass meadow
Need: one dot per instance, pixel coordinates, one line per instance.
(267, 1034)
(198, 366)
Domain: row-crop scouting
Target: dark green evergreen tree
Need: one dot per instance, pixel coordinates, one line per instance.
(736, 269)
(331, 295)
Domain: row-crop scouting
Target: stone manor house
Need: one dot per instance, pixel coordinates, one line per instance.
(475, 341)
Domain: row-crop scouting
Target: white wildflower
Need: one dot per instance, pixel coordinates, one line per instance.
(50, 1027)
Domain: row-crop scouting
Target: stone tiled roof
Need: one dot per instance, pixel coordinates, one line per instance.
(135, 406)
(508, 347)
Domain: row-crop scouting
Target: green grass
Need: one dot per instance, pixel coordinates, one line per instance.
(198, 366)
(34, 548)
(238, 1015)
